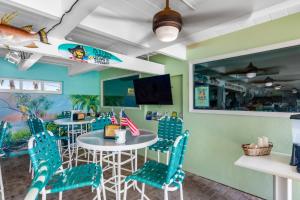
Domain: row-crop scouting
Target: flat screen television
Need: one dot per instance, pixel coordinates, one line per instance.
(155, 90)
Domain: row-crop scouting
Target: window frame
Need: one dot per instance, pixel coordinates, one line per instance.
(232, 55)
(139, 107)
(41, 91)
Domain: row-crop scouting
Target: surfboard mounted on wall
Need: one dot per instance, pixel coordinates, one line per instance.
(87, 54)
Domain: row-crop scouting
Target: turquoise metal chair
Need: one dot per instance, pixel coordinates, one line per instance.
(37, 125)
(3, 126)
(43, 148)
(158, 175)
(169, 128)
(39, 182)
(100, 122)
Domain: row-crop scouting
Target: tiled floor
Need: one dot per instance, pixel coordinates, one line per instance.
(17, 181)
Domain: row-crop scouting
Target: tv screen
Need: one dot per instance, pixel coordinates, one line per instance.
(153, 90)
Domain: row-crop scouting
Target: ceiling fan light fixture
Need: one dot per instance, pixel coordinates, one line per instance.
(251, 74)
(167, 33)
(294, 91)
(278, 87)
(167, 24)
(268, 84)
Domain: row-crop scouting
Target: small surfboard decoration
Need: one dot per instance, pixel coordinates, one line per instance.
(87, 54)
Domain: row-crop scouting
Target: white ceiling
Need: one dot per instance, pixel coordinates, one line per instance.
(124, 26)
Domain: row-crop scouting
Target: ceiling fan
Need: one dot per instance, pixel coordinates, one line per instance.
(252, 71)
(268, 82)
(168, 23)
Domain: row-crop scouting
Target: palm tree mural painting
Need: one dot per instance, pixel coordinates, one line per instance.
(88, 103)
(38, 106)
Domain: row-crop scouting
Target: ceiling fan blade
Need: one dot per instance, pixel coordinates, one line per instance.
(149, 37)
(121, 18)
(211, 16)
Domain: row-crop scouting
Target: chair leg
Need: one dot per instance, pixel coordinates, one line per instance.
(114, 168)
(143, 191)
(98, 193)
(125, 191)
(76, 160)
(1, 185)
(146, 151)
(181, 191)
(166, 193)
(60, 196)
(44, 195)
(132, 160)
(158, 156)
(103, 189)
(29, 166)
(167, 158)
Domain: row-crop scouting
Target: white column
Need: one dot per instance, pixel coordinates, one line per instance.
(282, 188)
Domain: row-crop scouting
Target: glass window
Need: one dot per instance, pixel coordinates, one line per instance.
(267, 81)
(32, 85)
(6, 84)
(119, 92)
(27, 86)
(52, 86)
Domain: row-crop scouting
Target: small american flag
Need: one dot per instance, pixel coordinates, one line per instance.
(126, 121)
(113, 118)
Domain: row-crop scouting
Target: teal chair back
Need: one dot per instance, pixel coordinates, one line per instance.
(177, 156)
(39, 181)
(42, 147)
(100, 123)
(36, 125)
(169, 127)
(3, 129)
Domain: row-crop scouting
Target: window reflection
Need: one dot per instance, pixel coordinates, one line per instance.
(267, 81)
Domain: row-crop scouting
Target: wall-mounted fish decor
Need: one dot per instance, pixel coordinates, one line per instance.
(14, 36)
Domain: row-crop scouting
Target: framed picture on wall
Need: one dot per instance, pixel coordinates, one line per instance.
(202, 96)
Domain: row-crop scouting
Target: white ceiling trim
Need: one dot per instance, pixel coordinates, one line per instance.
(258, 17)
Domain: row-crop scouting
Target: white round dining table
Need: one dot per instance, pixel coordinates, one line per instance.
(72, 133)
(95, 141)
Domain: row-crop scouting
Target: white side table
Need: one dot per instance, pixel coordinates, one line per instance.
(278, 165)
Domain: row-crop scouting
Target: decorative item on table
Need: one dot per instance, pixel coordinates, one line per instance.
(110, 131)
(120, 136)
(262, 148)
(174, 114)
(149, 115)
(159, 115)
(113, 118)
(77, 115)
(126, 121)
(14, 36)
(154, 116)
(295, 158)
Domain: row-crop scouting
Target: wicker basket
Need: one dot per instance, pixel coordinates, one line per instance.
(260, 151)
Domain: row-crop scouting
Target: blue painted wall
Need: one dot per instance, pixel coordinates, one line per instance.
(84, 84)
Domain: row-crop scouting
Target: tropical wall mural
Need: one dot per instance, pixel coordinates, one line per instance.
(15, 108)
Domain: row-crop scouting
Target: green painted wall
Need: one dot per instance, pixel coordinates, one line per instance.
(215, 140)
(221, 135)
(88, 83)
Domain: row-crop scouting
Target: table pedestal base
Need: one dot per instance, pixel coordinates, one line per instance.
(282, 188)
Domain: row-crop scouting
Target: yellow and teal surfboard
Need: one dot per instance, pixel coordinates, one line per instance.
(87, 54)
